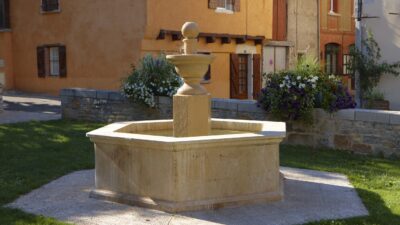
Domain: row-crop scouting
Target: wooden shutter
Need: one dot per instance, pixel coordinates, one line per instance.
(7, 14)
(256, 76)
(234, 75)
(41, 64)
(236, 5)
(63, 61)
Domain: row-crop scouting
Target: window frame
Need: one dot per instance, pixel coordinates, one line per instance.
(46, 61)
(54, 61)
(44, 9)
(334, 8)
(224, 6)
(333, 69)
(346, 64)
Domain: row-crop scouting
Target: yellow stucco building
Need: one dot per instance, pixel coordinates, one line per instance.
(47, 45)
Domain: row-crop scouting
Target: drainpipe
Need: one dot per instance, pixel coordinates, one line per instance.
(358, 90)
(319, 30)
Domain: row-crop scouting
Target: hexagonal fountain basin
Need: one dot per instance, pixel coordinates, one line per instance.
(141, 163)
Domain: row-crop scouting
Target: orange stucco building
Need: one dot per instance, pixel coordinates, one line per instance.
(337, 36)
(53, 44)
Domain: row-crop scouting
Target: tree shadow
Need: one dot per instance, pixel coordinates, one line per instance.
(32, 107)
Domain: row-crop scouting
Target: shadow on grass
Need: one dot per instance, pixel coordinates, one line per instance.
(35, 153)
(32, 107)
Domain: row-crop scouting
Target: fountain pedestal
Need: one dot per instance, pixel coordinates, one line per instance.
(192, 115)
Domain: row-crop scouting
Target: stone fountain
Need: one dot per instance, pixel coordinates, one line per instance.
(192, 162)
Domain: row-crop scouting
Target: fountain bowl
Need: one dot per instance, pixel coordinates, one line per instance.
(192, 65)
(142, 164)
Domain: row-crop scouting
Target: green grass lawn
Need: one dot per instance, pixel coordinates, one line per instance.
(33, 154)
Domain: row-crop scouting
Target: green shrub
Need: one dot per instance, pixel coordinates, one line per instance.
(154, 76)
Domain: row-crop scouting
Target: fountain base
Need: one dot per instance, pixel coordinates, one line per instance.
(139, 163)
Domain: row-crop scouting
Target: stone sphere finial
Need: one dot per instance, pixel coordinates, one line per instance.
(190, 30)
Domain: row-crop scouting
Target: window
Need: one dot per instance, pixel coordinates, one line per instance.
(243, 69)
(334, 7)
(4, 14)
(228, 5)
(51, 61)
(50, 5)
(331, 58)
(224, 6)
(346, 64)
(54, 61)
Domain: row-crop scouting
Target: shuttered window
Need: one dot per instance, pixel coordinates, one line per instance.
(54, 61)
(51, 61)
(232, 5)
(4, 14)
(50, 5)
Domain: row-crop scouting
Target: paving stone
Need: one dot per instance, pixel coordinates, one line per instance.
(309, 196)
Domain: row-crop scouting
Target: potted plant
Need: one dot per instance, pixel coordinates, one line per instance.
(376, 100)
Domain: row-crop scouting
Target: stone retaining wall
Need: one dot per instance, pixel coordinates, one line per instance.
(361, 131)
(1, 98)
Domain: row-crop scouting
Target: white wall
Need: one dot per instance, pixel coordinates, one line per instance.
(386, 30)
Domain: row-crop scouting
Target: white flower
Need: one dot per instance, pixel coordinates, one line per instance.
(282, 85)
(314, 85)
(286, 77)
(298, 77)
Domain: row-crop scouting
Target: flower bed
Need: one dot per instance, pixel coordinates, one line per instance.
(154, 76)
(293, 94)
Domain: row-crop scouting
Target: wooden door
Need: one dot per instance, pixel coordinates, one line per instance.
(256, 76)
(275, 59)
(280, 58)
(239, 70)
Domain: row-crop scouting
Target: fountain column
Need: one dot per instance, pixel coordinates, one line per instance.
(192, 103)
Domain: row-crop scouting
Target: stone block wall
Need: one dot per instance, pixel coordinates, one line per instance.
(109, 106)
(361, 131)
(1, 98)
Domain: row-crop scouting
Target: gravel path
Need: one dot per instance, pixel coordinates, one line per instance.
(309, 196)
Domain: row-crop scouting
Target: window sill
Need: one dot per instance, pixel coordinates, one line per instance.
(51, 12)
(5, 30)
(224, 11)
(332, 13)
